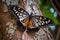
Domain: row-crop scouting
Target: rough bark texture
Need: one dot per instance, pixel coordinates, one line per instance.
(9, 27)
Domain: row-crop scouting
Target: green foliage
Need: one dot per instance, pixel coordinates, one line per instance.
(45, 8)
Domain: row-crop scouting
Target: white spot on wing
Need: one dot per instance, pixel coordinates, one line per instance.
(16, 12)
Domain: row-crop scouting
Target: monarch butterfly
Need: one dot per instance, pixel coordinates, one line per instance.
(29, 20)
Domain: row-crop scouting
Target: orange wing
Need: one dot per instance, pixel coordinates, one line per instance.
(31, 23)
(28, 23)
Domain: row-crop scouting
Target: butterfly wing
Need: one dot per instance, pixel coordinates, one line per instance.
(23, 18)
(41, 21)
(19, 13)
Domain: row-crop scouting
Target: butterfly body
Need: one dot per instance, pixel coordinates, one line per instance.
(29, 20)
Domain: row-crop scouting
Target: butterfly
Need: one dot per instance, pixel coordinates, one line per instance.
(29, 21)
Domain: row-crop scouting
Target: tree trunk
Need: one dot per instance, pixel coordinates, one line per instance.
(9, 26)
